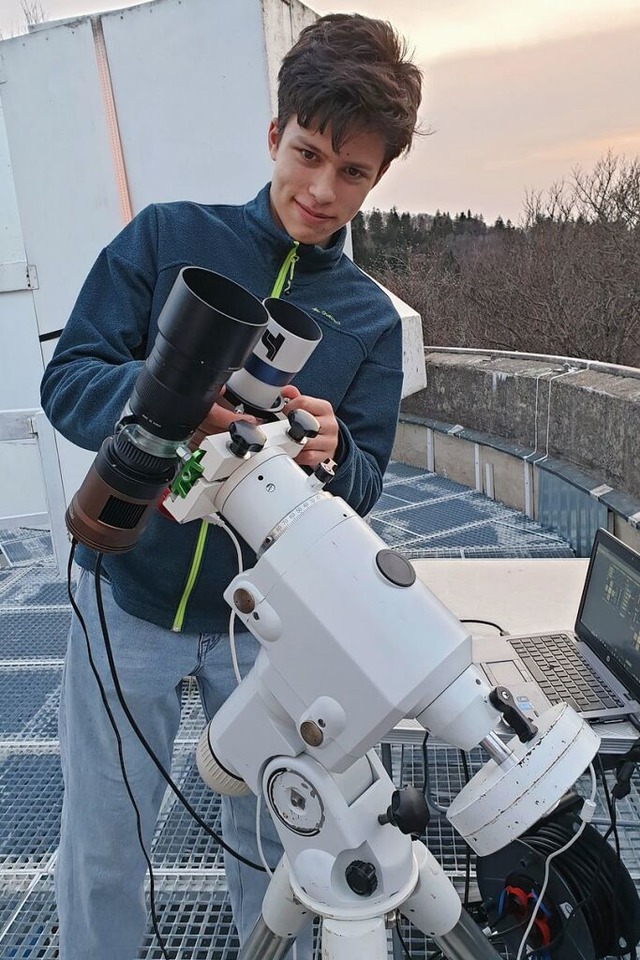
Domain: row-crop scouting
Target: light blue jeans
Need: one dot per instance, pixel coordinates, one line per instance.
(100, 867)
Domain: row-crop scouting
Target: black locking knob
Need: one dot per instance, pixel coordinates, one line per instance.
(302, 424)
(325, 471)
(408, 811)
(503, 700)
(245, 438)
(361, 877)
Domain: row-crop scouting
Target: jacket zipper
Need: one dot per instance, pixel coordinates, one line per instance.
(285, 276)
(288, 267)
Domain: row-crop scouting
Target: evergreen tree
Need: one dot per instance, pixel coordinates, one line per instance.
(359, 238)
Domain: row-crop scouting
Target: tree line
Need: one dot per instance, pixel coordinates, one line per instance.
(564, 281)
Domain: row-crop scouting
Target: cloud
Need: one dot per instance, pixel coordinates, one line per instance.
(442, 28)
(513, 118)
(626, 142)
(516, 120)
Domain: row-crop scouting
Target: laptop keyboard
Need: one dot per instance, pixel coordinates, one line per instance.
(562, 674)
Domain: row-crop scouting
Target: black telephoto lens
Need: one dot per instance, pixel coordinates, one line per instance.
(206, 329)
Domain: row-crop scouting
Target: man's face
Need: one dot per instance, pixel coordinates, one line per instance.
(314, 190)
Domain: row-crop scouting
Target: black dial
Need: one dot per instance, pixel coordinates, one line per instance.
(361, 877)
(302, 424)
(245, 438)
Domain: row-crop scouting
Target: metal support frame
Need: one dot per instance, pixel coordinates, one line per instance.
(31, 424)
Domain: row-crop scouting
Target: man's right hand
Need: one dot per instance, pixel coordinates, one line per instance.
(217, 420)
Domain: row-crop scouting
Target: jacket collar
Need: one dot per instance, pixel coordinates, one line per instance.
(273, 243)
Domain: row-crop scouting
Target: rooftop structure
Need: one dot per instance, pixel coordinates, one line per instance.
(497, 455)
(422, 515)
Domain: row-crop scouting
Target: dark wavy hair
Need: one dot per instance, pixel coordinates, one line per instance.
(350, 73)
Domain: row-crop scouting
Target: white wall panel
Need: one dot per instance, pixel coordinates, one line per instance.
(13, 261)
(191, 99)
(20, 357)
(60, 158)
(192, 104)
(282, 24)
(74, 461)
(193, 87)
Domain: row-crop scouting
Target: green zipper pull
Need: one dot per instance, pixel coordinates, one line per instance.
(294, 260)
(285, 273)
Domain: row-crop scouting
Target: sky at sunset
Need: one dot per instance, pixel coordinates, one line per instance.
(517, 93)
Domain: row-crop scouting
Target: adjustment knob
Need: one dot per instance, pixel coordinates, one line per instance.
(325, 471)
(302, 424)
(408, 811)
(361, 877)
(245, 438)
(504, 701)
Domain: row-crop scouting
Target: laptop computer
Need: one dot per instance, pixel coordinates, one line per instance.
(595, 668)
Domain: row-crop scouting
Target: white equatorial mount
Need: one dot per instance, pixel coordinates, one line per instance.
(352, 643)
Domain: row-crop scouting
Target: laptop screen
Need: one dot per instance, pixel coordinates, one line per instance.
(609, 615)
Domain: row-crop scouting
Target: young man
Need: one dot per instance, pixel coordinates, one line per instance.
(347, 104)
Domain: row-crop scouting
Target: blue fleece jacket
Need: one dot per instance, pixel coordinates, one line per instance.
(357, 367)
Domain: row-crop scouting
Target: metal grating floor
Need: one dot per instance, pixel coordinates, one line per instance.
(429, 516)
(421, 515)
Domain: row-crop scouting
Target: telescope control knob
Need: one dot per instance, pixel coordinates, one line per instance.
(503, 700)
(302, 424)
(325, 471)
(361, 877)
(408, 811)
(245, 438)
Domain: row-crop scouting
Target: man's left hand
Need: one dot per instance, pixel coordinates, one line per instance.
(325, 444)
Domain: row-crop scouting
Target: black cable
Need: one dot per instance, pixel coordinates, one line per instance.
(611, 808)
(138, 732)
(425, 765)
(432, 803)
(610, 802)
(577, 867)
(123, 769)
(598, 916)
(593, 878)
(488, 623)
(467, 861)
(401, 939)
(579, 905)
(499, 934)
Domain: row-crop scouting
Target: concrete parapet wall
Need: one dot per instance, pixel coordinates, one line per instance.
(553, 437)
(589, 418)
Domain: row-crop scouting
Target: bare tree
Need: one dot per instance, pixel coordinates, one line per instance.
(610, 194)
(33, 12)
(567, 283)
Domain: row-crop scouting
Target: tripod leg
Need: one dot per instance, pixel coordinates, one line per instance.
(466, 942)
(350, 939)
(434, 907)
(282, 919)
(264, 944)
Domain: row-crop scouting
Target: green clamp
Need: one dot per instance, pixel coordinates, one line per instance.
(191, 471)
